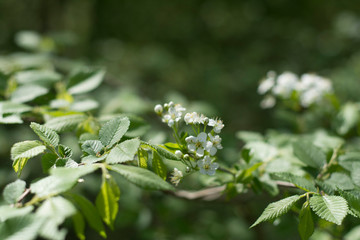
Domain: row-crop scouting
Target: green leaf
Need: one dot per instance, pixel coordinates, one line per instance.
(65, 123)
(107, 201)
(85, 80)
(143, 157)
(142, 177)
(172, 146)
(340, 180)
(24, 228)
(37, 77)
(92, 147)
(56, 208)
(248, 136)
(246, 154)
(26, 149)
(60, 180)
(353, 199)
(13, 108)
(49, 136)
(26, 93)
(90, 213)
(13, 191)
(79, 225)
(123, 152)
(19, 164)
(331, 208)
(47, 161)
(300, 182)
(347, 118)
(159, 166)
(65, 151)
(309, 154)
(162, 151)
(84, 105)
(7, 212)
(276, 209)
(306, 222)
(113, 130)
(11, 119)
(93, 159)
(347, 160)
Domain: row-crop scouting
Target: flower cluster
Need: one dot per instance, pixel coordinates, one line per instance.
(309, 88)
(173, 113)
(201, 146)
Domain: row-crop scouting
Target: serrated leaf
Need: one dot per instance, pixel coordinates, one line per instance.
(309, 154)
(84, 105)
(306, 222)
(347, 118)
(327, 188)
(85, 80)
(331, 208)
(46, 134)
(276, 209)
(123, 152)
(56, 208)
(65, 123)
(340, 180)
(26, 149)
(162, 151)
(24, 228)
(142, 177)
(47, 161)
(107, 201)
(19, 164)
(92, 147)
(159, 166)
(13, 108)
(90, 213)
(65, 151)
(93, 159)
(79, 225)
(13, 191)
(26, 93)
(60, 180)
(7, 212)
(347, 160)
(353, 199)
(113, 130)
(298, 181)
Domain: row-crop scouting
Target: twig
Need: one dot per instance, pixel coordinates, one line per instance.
(22, 196)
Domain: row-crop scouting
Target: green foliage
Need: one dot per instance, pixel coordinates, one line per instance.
(47, 135)
(300, 182)
(331, 208)
(276, 209)
(306, 222)
(142, 177)
(65, 123)
(13, 191)
(309, 154)
(113, 131)
(123, 152)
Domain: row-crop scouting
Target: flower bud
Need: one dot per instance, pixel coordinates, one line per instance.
(178, 153)
(158, 109)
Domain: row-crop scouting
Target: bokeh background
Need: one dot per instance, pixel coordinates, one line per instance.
(211, 53)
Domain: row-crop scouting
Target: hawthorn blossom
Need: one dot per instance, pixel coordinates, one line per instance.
(313, 89)
(267, 84)
(195, 118)
(174, 113)
(286, 83)
(268, 102)
(178, 153)
(158, 109)
(176, 176)
(213, 144)
(217, 124)
(197, 144)
(206, 166)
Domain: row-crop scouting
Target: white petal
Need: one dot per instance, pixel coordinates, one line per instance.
(192, 147)
(200, 152)
(202, 137)
(212, 151)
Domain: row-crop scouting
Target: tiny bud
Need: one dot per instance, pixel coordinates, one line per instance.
(80, 180)
(187, 170)
(206, 120)
(158, 109)
(178, 153)
(186, 156)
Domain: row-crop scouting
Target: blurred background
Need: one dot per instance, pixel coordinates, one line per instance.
(212, 53)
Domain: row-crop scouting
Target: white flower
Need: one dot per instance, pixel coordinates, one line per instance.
(217, 124)
(158, 109)
(312, 89)
(206, 166)
(197, 144)
(194, 118)
(286, 83)
(173, 114)
(178, 153)
(267, 84)
(214, 144)
(268, 102)
(176, 177)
